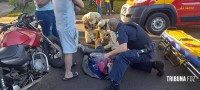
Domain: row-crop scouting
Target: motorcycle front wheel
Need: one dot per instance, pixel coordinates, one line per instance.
(55, 57)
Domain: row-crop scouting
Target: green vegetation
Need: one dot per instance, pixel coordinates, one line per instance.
(13, 2)
(31, 8)
(117, 7)
(18, 11)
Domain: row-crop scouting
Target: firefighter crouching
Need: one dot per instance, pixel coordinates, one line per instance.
(90, 21)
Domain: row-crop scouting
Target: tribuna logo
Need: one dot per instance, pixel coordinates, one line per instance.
(180, 78)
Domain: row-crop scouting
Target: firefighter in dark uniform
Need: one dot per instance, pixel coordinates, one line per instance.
(136, 48)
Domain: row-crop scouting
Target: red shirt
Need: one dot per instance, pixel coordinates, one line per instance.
(98, 2)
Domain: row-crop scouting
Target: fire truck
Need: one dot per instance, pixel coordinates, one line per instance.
(155, 16)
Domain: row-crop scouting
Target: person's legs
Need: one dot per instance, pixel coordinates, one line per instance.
(111, 4)
(68, 65)
(54, 30)
(99, 10)
(120, 65)
(65, 18)
(69, 41)
(45, 23)
(107, 9)
(147, 65)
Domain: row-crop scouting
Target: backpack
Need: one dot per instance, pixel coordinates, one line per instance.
(94, 65)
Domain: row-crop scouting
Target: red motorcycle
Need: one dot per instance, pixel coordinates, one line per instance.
(26, 33)
(25, 53)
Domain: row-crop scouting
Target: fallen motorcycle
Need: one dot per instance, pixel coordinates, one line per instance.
(25, 53)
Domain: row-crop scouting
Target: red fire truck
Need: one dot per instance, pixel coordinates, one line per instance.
(157, 15)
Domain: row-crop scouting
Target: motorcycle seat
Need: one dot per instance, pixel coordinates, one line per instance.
(13, 55)
(7, 52)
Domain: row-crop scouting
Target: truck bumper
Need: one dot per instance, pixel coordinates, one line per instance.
(132, 14)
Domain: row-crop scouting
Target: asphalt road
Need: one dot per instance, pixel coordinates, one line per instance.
(133, 79)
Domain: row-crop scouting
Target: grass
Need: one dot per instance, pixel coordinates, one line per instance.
(31, 9)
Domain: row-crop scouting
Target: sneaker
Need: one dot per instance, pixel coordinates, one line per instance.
(112, 11)
(112, 87)
(159, 66)
(81, 47)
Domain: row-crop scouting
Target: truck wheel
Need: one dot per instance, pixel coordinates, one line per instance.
(157, 23)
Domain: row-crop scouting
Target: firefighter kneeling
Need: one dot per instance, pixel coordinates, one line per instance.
(104, 34)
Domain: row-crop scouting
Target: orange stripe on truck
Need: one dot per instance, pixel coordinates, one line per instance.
(164, 1)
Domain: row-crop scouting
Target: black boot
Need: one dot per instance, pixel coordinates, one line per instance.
(86, 50)
(159, 66)
(112, 86)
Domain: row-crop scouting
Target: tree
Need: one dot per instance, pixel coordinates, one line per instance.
(21, 3)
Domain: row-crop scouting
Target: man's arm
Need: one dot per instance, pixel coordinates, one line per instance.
(121, 48)
(79, 3)
(41, 3)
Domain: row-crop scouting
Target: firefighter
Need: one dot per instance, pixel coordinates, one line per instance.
(103, 34)
(90, 21)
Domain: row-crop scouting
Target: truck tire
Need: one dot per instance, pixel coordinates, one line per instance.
(157, 23)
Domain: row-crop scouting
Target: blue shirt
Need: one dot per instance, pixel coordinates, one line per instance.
(48, 6)
(134, 36)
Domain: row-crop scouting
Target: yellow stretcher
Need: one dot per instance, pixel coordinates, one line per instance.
(181, 48)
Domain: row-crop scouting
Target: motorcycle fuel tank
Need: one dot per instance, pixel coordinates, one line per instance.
(21, 36)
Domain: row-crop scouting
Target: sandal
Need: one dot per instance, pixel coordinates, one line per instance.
(74, 76)
(74, 64)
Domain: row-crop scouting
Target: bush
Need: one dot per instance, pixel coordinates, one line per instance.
(13, 2)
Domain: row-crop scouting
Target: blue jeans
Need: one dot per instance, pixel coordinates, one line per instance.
(108, 8)
(138, 61)
(99, 10)
(48, 22)
(111, 4)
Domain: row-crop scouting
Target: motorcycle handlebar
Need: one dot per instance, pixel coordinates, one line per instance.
(2, 24)
(5, 28)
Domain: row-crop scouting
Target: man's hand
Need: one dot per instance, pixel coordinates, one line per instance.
(77, 9)
(105, 56)
(42, 3)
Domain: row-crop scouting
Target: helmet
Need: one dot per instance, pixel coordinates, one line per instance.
(101, 23)
(91, 18)
(84, 18)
